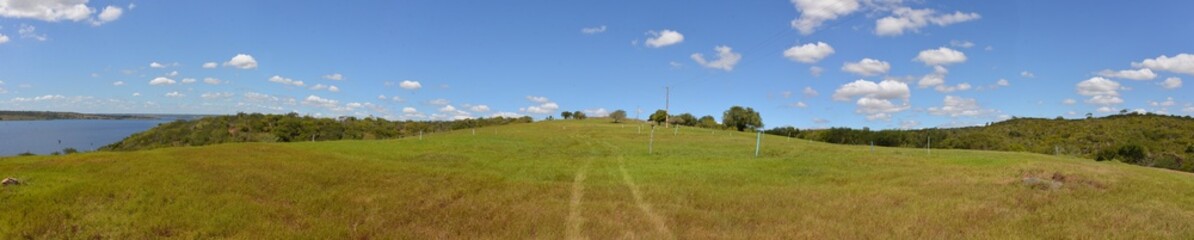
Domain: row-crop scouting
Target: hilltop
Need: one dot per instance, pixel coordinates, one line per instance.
(1142, 139)
(586, 179)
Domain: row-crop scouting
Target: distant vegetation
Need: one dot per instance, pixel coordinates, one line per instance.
(1141, 139)
(258, 127)
(32, 115)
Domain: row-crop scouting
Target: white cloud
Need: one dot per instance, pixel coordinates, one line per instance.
(908, 19)
(799, 104)
(909, 124)
(1098, 86)
(188, 80)
(1104, 100)
(1171, 83)
(448, 108)
(961, 44)
(317, 101)
(172, 74)
(216, 95)
(596, 112)
(46, 10)
(887, 89)
(1002, 83)
(242, 61)
(726, 59)
(1027, 74)
(867, 67)
(318, 87)
(1167, 103)
(156, 65)
(109, 14)
(3, 38)
(1182, 63)
(162, 81)
(815, 71)
(544, 106)
(136, 94)
(439, 102)
(814, 13)
(39, 98)
(175, 94)
(941, 56)
(664, 38)
(285, 81)
(593, 30)
(28, 31)
(409, 110)
(334, 77)
(1069, 101)
(960, 107)
(810, 92)
(479, 108)
(210, 65)
(118, 83)
(879, 109)
(947, 89)
(410, 85)
(1139, 74)
(809, 53)
(212, 81)
(333, 88)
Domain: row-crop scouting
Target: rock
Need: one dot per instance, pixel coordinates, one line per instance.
(10, 181)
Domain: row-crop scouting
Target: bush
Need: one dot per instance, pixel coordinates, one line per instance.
(1132, 153)
(1106, 155)
(69, 151)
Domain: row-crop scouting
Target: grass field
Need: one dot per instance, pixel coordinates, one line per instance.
(585, 179)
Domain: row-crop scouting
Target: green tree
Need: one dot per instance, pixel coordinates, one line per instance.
(741, 118)
(579, 115)
(707, 122)
(685, 119)
(658, 117)
(618, 115)
(566, 114)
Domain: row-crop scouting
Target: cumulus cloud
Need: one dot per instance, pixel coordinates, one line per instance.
(726, 59)
(188, 80)
(1182, 63)
(1167, 103)
(479, 108)
(596, 112)
(1002, 83)
(409, 110)
(1027, 74)
(210, 65)
(216, 95)
(285, 81)
(109, 14)
(1171, 83)
(157, 65)
(810, 92)
(3, 38)
(1069, 101)
(809, 53)
(28, 31)
(410, 85)
(317, 101)
(334, 77)
(815, 71)
(543, 106)
(908, 19)
(814, 13)
(879, 109)
(162, 81)
(887, 89)
(593, 30)
(947, 89)
(1139, 74)
(941, 56)
(175, 94)
(960, 107)
(47, 10)
(867, 67)
(118, 83)
(439, 102)
(242, 61)
(1101, 91)
(331, 88)
(212, 81)
(664, 38)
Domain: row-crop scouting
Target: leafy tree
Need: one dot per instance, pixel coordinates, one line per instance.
(685, 119)
(618, 115)
(741, 118)
(566, 115)
(707, 121)
(579, 115)
(658, 117)
(1132, 153)
(69, 150)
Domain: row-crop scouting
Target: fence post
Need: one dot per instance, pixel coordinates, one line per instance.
(758, 142)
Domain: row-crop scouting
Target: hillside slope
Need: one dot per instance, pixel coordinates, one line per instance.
(1141, 139)
(586, 179)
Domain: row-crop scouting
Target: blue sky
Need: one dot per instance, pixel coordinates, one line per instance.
(893, 64)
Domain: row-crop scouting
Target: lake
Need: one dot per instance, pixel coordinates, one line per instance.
(48, 136)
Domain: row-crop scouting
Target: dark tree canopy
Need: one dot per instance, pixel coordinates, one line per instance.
(579, 115)
(659, 116)
(708, 122)
(618, 115)
(741, 118)
(685, 119)
(566, 114)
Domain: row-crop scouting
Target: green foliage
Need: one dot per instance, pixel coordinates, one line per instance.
(658, 117)
(618, 115)
(707, 121)
(26, 154)
(1143, 139)
(291, 127)
(566, 115)
(741, 118)
(69, 150)
(685, 119)
(579, 115)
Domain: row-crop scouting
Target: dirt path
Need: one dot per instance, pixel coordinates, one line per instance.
(658, 221)
(575, 221)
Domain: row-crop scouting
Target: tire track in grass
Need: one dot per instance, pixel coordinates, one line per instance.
(575, 221)
(658, 221)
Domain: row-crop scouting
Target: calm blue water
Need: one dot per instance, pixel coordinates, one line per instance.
(42, 137)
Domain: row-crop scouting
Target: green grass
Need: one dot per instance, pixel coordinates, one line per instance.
(522, 181)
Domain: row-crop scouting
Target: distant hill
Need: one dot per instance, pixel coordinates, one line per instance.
(258, 127)
(1142, 139)
(43, 115)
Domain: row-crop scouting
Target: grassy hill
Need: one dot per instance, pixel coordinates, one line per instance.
(586, 179)
(1141, 139)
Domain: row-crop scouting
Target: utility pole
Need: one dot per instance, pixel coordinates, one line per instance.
(667, 102)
